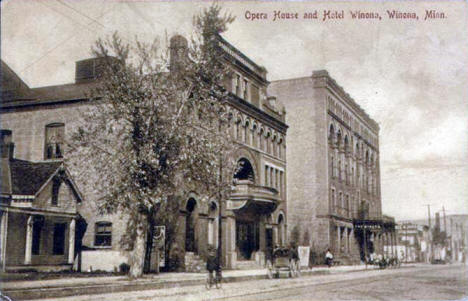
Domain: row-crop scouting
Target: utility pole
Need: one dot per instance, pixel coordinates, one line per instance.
(406, 243)
(429, 214)
(445, 220)
(430, 230)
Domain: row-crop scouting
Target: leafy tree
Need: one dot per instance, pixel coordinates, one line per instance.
(156, 127)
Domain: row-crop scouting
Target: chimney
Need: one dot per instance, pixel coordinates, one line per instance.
(91, 69)
(437, 221)
(178, 52)
(6, 144)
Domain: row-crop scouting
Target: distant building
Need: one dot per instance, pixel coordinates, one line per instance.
(410, 242)
(333, 180)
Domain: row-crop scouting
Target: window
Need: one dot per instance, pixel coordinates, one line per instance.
(237, 84)
(246, 90)
(55, 191)
(54, 140)
(103, 236)
(255, 95)
(333, 201)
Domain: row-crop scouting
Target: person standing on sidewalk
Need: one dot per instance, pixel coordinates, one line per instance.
(329, 258)
(213, 265)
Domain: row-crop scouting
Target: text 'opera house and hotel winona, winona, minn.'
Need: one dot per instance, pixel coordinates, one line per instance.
(327, 196)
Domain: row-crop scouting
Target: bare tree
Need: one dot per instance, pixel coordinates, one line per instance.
(158, 126)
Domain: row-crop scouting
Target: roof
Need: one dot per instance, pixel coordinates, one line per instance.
(27, 178)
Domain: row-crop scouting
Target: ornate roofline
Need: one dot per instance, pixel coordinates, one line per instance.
(332, 85)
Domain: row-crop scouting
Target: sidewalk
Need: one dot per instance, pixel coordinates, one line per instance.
(63, 287)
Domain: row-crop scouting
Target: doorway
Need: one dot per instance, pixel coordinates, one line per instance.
(247, 239)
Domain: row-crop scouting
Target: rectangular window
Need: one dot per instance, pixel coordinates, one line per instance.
(246, 90)
(103, 234)
(54, 141)
(255, 95)
(238, 82)
(333, 200)
(59, 238)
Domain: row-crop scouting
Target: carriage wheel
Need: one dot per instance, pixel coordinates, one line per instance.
(269, 267)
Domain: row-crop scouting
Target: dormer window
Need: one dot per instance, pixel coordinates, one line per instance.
(54, 141)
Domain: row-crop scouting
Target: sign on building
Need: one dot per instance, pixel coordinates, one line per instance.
(303, 255)
(158, 250)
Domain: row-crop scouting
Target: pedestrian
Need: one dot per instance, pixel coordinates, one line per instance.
(329, 258)
(212, 263)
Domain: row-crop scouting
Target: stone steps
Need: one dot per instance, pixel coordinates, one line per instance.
(247, 265)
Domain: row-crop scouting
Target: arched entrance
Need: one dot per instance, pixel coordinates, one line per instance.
(247, 224)
(190, 225)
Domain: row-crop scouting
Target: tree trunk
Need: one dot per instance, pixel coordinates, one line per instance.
(137, 255)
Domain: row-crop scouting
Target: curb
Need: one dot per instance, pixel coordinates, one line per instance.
(115, 287)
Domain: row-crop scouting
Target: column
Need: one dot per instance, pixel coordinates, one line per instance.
(3, 237)
(215, 232)
(338, 230)
(346, 233)
(275, 236)
(229, 242)
(210, 232)
(29, 236)
(71, 242)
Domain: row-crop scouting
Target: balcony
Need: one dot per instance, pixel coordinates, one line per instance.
(342, 212)
(245, 194)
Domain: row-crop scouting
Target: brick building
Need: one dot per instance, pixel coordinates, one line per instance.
(255, 216)
(333, 179)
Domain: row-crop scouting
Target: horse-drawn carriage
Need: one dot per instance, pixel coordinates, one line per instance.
(283, 260)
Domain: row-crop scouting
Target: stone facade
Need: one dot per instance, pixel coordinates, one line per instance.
(254, 218)
(333, 163)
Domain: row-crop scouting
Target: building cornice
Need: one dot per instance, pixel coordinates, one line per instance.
(324, 80)
(252, 110)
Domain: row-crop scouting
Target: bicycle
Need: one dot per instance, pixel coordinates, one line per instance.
(213, 281)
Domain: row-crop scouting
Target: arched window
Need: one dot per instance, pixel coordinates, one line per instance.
(333, 200)
(346, 144)
(55, 191)
(339, 170)
(332, 166)
(268, 143)
(331, 134)
(54, 140)
(273, 144)
(338, 138)
(246, 132)
(254, 136)
(190, 226)
(260, 139)
(244, 170)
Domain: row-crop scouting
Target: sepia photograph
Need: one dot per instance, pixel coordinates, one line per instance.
(233, 150)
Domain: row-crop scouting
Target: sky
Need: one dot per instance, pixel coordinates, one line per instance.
(411, 76)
